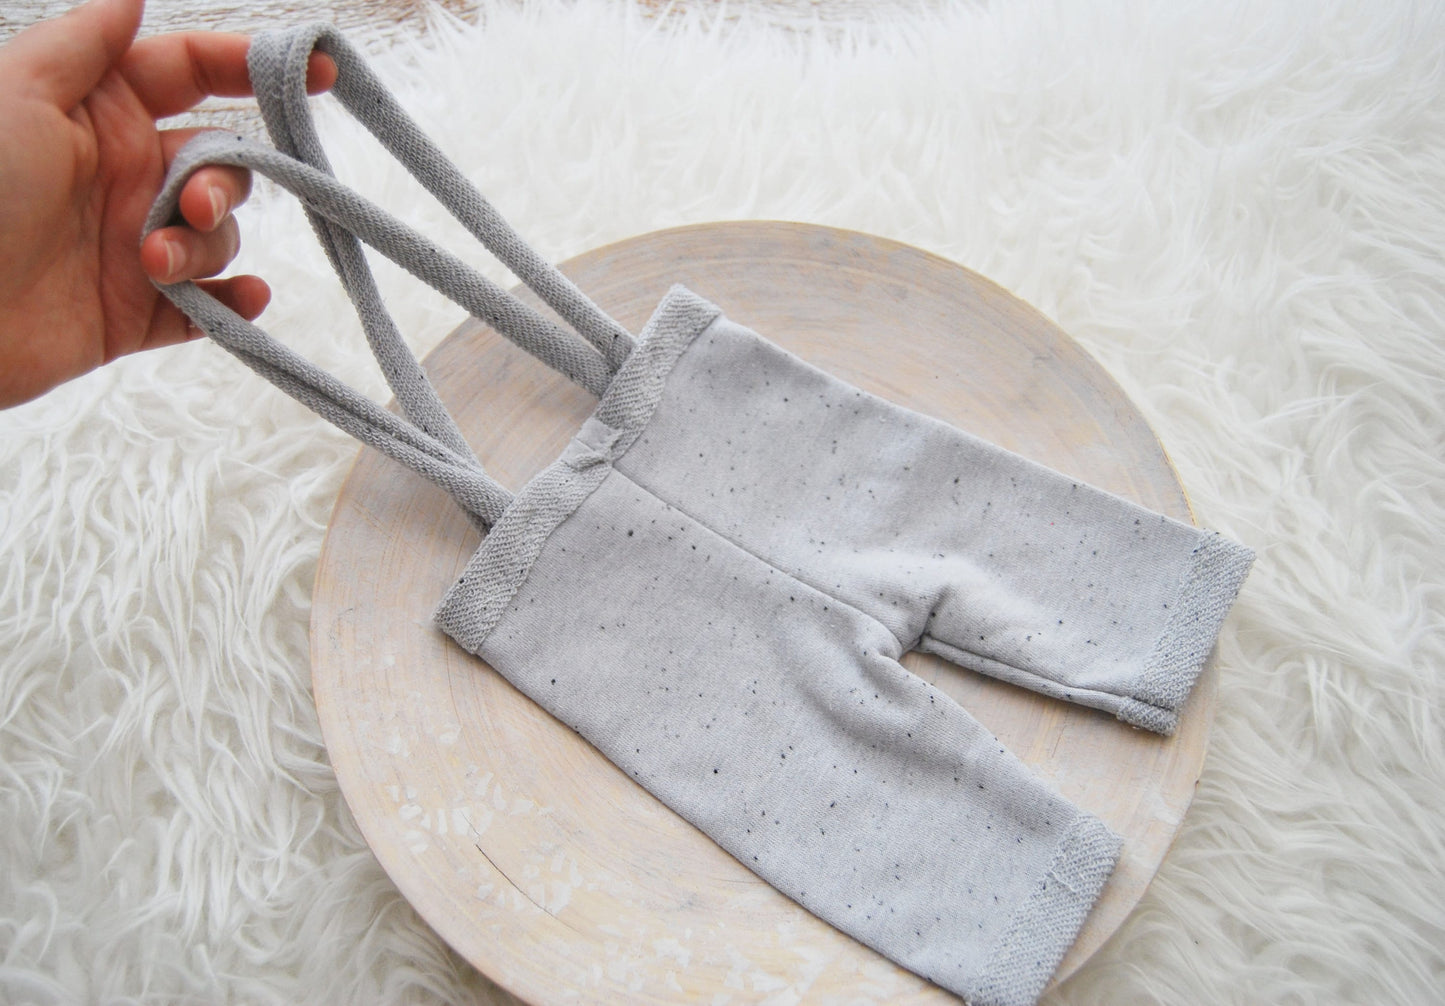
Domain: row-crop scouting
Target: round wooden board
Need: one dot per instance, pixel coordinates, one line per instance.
(522, 846)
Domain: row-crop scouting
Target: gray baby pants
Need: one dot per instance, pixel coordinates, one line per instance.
(715, 582)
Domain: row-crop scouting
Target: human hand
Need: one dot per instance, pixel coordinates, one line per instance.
(81, 160)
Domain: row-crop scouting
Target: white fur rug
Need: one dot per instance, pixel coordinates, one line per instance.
(1238, 207)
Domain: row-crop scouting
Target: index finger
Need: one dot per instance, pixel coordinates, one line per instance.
(171, 73)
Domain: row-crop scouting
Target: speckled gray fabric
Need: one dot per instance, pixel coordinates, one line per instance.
(770, 711)
(715, 581)
(960, 548)
(725, 587)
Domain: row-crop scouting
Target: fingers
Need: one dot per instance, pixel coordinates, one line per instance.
(173, 254)
(171, 73)
(320, 73)
(212, 194)
(62, 59)
(208, 238)
(213, 191)
(246, 295)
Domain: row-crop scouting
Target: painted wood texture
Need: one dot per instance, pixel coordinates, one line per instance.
(530, 853)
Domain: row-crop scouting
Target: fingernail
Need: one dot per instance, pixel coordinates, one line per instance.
(219, 206)
(175, 260)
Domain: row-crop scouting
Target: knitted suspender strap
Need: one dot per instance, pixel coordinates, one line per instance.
(422, 451)
(414, 392)
(430, 443)
(277, 61)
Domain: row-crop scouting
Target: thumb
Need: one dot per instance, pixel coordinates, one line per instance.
(62, 60)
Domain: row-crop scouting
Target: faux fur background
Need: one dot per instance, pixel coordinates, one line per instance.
(1238, 207)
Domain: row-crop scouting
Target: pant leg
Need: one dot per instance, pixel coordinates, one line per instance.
(960, 547)
(776, 718)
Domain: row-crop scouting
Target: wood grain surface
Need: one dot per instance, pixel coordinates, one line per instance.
(380, 16)
(532, 855)
(228, 15)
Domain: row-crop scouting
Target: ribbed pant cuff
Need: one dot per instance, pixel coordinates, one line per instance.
(1046, 924)
(1208, 590)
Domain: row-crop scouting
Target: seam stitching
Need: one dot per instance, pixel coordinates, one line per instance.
(631, 477)
(502, 563)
